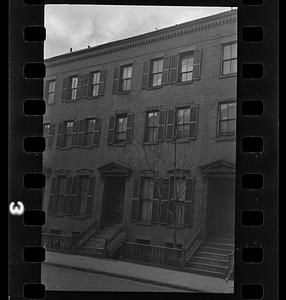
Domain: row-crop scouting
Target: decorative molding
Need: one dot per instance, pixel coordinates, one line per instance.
(145, 39)
(84, 172)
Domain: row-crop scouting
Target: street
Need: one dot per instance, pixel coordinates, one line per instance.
(63, 279)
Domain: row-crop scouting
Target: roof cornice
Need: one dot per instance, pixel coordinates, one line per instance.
(145, 39)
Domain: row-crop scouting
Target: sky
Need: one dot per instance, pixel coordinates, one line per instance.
(80, 26)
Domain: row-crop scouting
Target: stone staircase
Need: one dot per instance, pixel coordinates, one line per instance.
(96, 245)
(212, 258)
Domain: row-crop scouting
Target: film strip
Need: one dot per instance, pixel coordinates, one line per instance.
(256, 208)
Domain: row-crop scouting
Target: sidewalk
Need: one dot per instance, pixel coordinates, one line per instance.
(155, 275)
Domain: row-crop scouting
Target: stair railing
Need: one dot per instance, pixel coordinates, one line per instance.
(192, 246)
(230, 267)
(85, 235)
(115, 238)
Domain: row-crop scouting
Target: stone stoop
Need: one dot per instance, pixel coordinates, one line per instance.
(211, 259)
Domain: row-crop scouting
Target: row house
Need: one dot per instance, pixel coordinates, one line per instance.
(140, 144)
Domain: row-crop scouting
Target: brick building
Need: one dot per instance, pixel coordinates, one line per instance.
(118, 116)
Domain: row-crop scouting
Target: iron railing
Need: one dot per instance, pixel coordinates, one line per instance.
(85, 235)
(57, 242)
(192, 246)
(230, 267)
(116, 239)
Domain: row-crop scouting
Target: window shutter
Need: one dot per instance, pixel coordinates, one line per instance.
(164, 200)
(52, 197)
(162, 122)
(81, 133)
(111, 128)
(135, 199)
(60, 135)
(129, 128)
(170, 125)
(79, 87)
(90, 196)
(74, 133)
(145, 128)
(96, 136)
(73, 198)
(174, 68)
(194, 112)
(65, 89)
(101, 83)
(155, 200)
(51, 136)
(46, 91)
(146, 74)
(85, 86)
(197, 65)
(165, 72)
(115, 80)
(189, 200)
(66, 203)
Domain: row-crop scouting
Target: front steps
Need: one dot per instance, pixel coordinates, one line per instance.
(211, 259)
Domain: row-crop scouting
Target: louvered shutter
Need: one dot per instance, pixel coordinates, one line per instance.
(129, 128)
(85, 86)
(60, 135)
(73, 197)
(66, 202)
(170, 125)
(65, 89)
(194, 112)
(135, 199)
(165, 72)
(96, 136)
(90, 196)
(162, 123)
(46, 91)
(101, 83)
(197, 65)
(79, 87)
(51, 135)
(116, 75)
(74, 134)
(52, 196)
(81, 133)
(164, 200)
(111, 129)
(146, 74)
(174, 66)
(155, 200)
(189, 200)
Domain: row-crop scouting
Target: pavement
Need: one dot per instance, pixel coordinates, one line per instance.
(148, 274)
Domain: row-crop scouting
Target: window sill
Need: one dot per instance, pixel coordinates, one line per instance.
(225, 138)
(154, 87)
(185, 82)
(150, 143)
(119, 144)
(93, 97)
(123, 92)
(65, 148)
(228, 75)
(87, 147)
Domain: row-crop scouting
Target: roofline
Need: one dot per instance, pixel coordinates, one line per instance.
(141, 36)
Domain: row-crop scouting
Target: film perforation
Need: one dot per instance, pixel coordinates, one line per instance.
(252, 144)
(252, 218)
(34, 107)
(252, 181)
(34, 217)
(34, 144)
(34, 290)
(34, 181)
(253, 70)
(253, 34)
(252, 291)
(34, 70)
(252, 255)
(252, 108)
(34, 34)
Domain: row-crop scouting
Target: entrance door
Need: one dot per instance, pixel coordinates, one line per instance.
(113, 199)
(220, 212)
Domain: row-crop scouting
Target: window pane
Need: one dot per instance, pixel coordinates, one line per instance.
(232, 111)
(160, 65)
(46, 130)
(95, 90)
(234, 50)
(226, 52)
(96, 78)
(74, 82)
(146, 210)
(223, 111)
(223, 126)
(51, 86)
(62, 187)
(153, 118)
(73, 96)
(90, 125)
(233, 67)
(83, 192)
(231, 125)
(226, 67)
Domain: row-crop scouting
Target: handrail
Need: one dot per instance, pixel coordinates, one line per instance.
(229, 272)
(114, 237)
(82, 237)
(57, 242)
(192, 246)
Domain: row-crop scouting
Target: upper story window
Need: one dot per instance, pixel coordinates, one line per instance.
(68, 133)
(95, 84)
(229, 59)
(126, 74)
(50, 91)
(48, 133)
(186, 67)
(73, 87)
(227, 119)
(120, 129)
(146, 196)
(156, 72)
(152, 125)
(90, 131)
(183, 123)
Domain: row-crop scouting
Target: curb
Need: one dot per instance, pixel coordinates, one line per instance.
(158, 283)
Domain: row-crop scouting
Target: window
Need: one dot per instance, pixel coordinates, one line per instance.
(186, 67)
(229, 59)
(95, 84)
(48, 134)
(183, 123)
(46, 131)
(121, 127)
(73, 90)
(227, 119)
(82, 194)
(152, 124)
(51, 91)
(156, 72)
(146, 196)
(61, 191)
(126, 74)
(68, 133)
(178, 193)
(90, 131)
